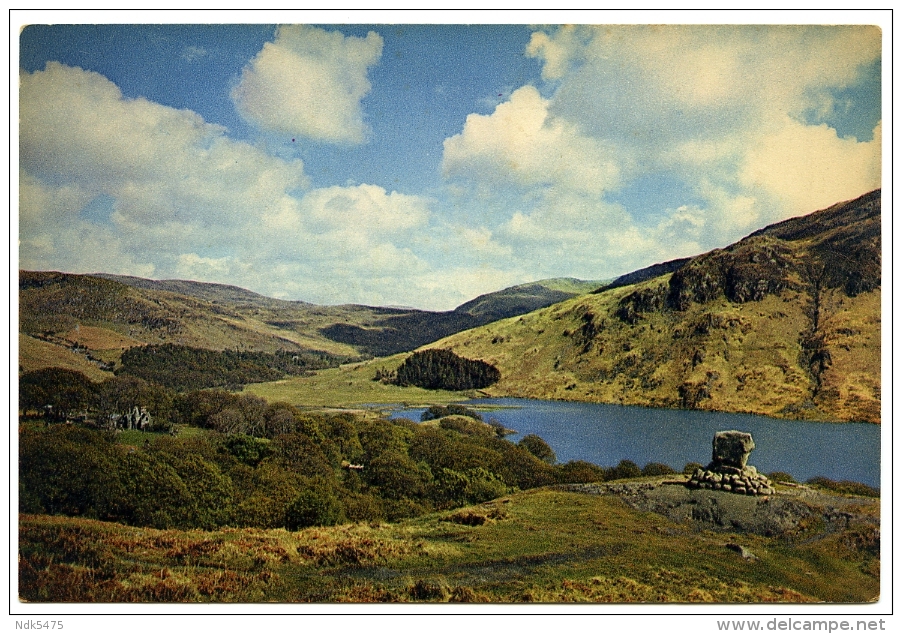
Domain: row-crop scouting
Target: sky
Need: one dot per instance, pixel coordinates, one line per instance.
(423, 165)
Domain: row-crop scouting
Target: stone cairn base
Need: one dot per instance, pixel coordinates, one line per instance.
(745, 481)
(728, 470)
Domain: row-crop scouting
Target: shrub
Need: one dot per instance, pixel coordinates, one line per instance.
(691, 467)
(657, 469)
(580, 471)
(397, 476)
(844, 486)
(299, 453)
(457, 488)
(780, 476)
(538, 447)
(362, 507)
(466, 426)
(267, 491)
(70, 471)
(247, 449)
(314, 506)
(155, 493)
(210, 493)
(625, 469)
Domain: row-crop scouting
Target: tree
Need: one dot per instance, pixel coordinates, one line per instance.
(65, 391)
(444, 370)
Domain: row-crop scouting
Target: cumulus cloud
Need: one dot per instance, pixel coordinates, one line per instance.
(808, 167)
(723, 112)
(181, 199)
(309, 82)
(521, 144)
(160, 164)
(662, 82)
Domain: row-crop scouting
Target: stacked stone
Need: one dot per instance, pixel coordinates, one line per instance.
(745, 481)
(728, 470)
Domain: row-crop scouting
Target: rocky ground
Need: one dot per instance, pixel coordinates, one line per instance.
(787, 512)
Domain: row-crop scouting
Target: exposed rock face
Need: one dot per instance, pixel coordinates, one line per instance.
(729, 470)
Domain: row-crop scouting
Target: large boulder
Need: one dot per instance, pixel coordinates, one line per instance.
(731, 448)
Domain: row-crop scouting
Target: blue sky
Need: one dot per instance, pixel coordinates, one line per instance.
(423, 165)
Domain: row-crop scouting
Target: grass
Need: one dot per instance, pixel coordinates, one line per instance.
(351, 385)
(540, 545)
(746, 356)
(35, 354)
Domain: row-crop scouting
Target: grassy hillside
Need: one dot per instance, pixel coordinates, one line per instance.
(35, 354)
(350, 385)
(785, 323)
(543, 545)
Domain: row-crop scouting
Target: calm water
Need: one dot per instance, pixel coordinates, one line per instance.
(606, 434)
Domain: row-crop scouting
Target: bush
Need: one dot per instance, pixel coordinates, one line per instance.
(657, 469)
(300, 454)
(538, 447)
(625, 469)
(70, 471)
(844, 486)
(466, 426)
(363, 507)
(457, 488)
(691, 467)
(397, 476)
(247, 449)
(580, 471)
(314, 506)
(780, 476)
(267, 491)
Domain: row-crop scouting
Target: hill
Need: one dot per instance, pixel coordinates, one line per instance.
(99, 316)
(525, 298)
(785, 322)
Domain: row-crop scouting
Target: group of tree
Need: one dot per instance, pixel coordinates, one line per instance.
(444, 370)
(254, 464)
(185, 368)
(260, 464)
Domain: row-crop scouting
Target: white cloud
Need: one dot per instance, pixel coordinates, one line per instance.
(365, 209)
(309, 82)
(184, 200)
(520, 144)
(808, 167)
(193, 53)
(721, 109)
(161, 165)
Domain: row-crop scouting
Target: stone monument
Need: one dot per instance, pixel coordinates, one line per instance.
(729, 470)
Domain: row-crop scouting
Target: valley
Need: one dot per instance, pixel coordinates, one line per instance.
(266, 467)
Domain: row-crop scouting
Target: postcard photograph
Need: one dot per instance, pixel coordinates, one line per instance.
(497, 314)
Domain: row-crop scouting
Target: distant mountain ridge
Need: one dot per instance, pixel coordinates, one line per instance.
(102, 311)
(210, 291)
